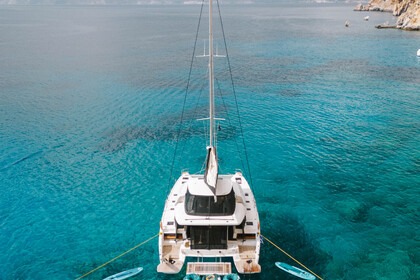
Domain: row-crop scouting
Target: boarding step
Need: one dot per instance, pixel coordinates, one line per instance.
(206, 268)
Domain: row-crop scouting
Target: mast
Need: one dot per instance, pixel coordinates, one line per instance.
(211, 172)
(211, 75)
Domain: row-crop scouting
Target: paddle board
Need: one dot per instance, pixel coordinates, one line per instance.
(295, 271)
(125, 274)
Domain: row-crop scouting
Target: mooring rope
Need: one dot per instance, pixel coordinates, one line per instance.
(117, 257)
(290, 256)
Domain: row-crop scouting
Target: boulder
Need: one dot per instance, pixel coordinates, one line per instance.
(361, 7)
(407, 11)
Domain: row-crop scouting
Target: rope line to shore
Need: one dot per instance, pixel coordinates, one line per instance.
(117, 257)
(290, 256)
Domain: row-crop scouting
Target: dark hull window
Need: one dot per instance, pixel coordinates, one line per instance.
(206, 206)
(208, 238)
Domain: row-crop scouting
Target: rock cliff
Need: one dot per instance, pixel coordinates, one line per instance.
(407, 11)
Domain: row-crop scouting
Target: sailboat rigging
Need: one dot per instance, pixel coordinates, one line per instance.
(209, 216)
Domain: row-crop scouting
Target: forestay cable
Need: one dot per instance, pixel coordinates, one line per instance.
(185, 98)
(234, 94)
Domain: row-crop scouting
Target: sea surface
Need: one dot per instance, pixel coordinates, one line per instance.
(90, 107)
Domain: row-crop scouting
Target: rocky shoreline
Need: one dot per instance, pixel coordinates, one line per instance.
(407, 11)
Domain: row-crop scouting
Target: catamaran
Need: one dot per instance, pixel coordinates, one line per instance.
(210, 216)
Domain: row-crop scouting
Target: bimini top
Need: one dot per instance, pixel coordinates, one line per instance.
(200, 201)
(197, 205)
(197, 186)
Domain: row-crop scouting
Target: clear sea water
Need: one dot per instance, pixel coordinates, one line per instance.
(90, 101)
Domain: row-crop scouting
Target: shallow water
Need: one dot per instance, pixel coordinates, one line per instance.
(89, 110)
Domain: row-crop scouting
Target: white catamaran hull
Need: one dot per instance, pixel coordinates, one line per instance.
(237, 234)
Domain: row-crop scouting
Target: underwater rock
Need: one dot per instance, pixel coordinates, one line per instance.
(359, 8)
(352, 210)
(378, 216)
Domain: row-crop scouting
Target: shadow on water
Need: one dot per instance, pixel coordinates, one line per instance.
(165, 129)
(118, 138)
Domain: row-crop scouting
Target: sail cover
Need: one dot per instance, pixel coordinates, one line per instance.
(211, 173)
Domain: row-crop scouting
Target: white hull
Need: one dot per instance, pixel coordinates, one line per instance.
(237, 231)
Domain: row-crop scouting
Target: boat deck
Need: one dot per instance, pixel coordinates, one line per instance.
(207, 268)
(172, 264)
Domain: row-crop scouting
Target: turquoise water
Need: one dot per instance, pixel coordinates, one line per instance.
(90, 102)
